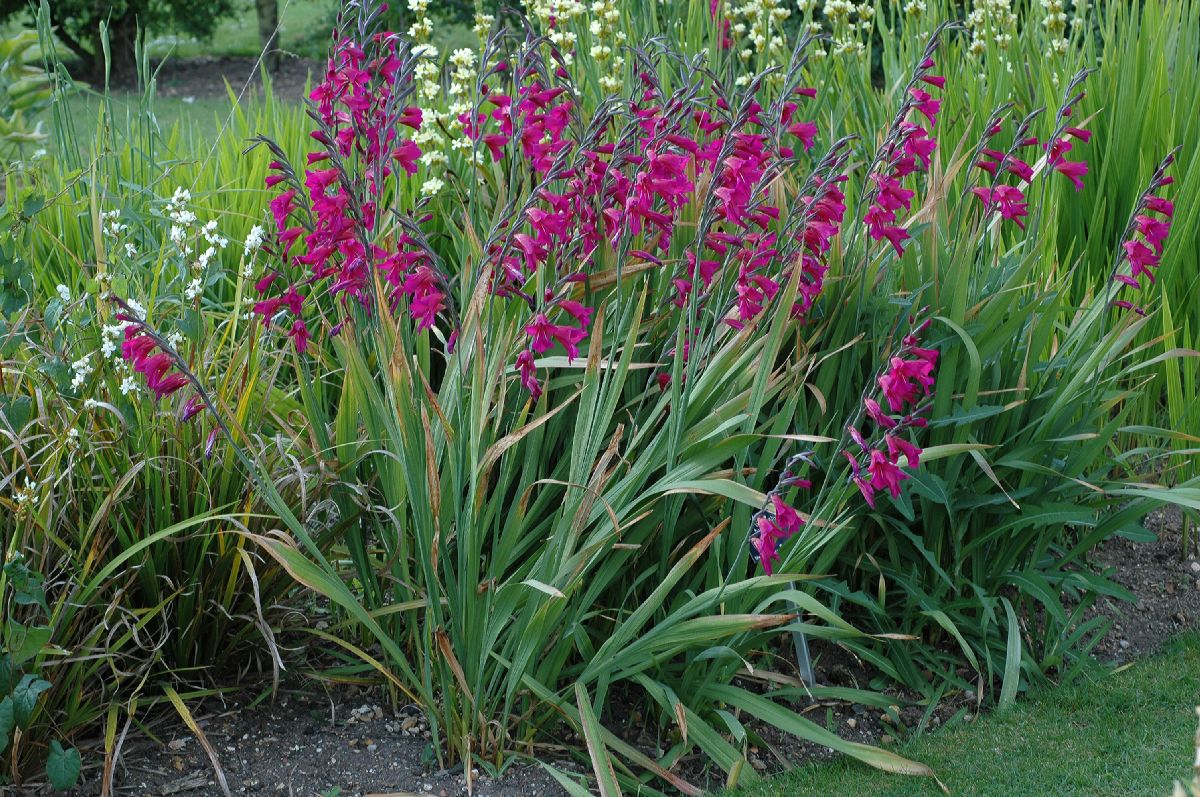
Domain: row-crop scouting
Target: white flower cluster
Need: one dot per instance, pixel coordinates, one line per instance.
(1056, 26)
(109, 335)
(756, 27)
(607, 42)
(117, 231)
(991, 21)
(182, 217)
(1056, 18)
(253, 242)
(110, 349)
(194, 289)
(26, 497)
(461, 89)
(483, 26)
(427, 73)
(188, 236)
(137, 308)
(851, 25)
(422, 27)
(64, 293)
(562, 12)
(82, 369)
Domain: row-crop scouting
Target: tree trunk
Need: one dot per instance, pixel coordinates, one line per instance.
(123, 33)
(268, 32)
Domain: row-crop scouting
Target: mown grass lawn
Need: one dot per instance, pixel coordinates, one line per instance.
(1116, 734)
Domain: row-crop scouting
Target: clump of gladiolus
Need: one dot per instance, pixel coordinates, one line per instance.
(1145, 236)
(339, 205)
(617, 182)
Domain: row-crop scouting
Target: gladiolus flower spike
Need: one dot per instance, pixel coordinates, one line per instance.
(907, 148)
(1145, 237)
(907, 387)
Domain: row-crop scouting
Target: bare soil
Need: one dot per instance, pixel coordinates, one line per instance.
(310, 742)
(205, 77)
(1166, 584)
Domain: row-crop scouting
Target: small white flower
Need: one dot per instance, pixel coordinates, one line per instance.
(194, 289)
(64, 293)
(91, 404)
(139, 312)
(27, 495)
(128, 385)
(174, 338)
(83, 369)
(431, 186)
(205, 257)
(130, 250)
(213, 237)
(254, 240)
(434, 157)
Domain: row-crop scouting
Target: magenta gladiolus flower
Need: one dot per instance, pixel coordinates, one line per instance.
(528, 372)
(773, 531)
(543, 335)
(1159, 205)
(1072, 170)
(885, 475)
(898, 446)
(141, 350)
(1008, 200)
(876, 414)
